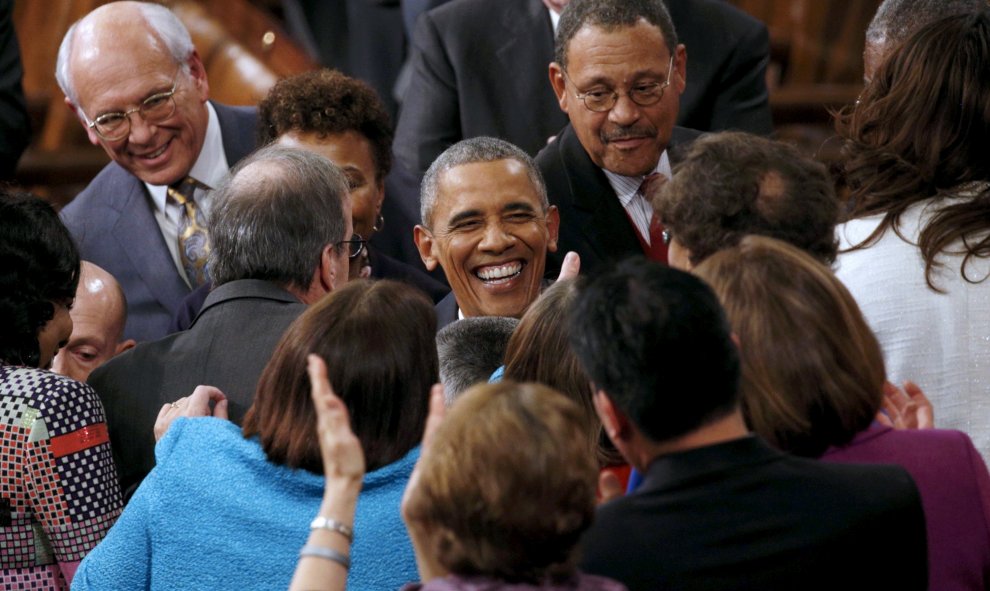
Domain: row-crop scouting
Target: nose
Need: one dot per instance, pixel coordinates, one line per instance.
(141, 130)
(496, 239)
(625, 111)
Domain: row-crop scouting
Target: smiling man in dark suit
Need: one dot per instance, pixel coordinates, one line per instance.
(618, 73)
(130, 72)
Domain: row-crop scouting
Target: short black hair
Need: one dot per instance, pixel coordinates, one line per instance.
(656, 340)
(39, 265)
(609, 15)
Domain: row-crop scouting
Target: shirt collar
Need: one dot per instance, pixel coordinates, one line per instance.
(210, 167)
(625, 187)
(554, 19)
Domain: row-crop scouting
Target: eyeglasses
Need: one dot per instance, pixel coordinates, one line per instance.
(644, 95)
(354, 246)
(154, 109)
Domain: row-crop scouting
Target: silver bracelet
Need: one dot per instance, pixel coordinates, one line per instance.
(333, 525)
(326, 553)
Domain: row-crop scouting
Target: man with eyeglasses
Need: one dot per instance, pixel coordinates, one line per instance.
(618, 74)
(131, 75)
(282, 238)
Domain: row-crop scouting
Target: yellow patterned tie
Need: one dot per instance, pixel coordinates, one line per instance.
(194, 244)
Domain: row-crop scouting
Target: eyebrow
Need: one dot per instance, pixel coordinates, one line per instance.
(464, 215)
(518, 206)
(634, 77)
(140, 102)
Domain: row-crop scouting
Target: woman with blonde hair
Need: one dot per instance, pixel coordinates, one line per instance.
(812, 383)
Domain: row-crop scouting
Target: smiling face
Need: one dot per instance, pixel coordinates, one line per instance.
(491, 235)
(628, 138)
(115, 66)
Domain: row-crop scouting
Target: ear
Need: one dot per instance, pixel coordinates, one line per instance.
(379, 195)
(680, 64)
(197, 71)
(424, 243)
(559, 84)
(93, 138)
(327, 273)
(553, 227)
(614, 421)
(123, 346)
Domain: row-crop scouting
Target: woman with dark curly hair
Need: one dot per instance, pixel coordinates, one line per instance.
(917, 246)
(59, 486)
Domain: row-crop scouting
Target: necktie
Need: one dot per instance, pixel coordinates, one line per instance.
(194, 245)
(656, 250)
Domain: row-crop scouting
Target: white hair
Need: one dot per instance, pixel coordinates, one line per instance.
(159, 19)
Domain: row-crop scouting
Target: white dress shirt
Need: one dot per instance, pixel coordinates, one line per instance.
(209, 169)
(636, 204)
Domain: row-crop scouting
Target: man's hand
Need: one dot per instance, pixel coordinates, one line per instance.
(196, 404)
(571, 266)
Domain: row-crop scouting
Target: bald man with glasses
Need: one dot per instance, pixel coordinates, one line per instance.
(135, 81)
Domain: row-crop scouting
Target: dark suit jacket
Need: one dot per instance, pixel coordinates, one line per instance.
(481, 68)
(740, 515)
(14, 125)
(592, 221)
(227, 346)
(114, 225)
(446, 310)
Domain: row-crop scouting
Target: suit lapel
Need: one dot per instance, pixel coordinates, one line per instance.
(238, 132)
(599, 215)
(525, 55)
(154, 265)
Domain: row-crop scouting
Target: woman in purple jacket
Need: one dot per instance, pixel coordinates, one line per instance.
(813, 382)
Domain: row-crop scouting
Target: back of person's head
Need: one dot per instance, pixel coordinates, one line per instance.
(812, 370)
(39, 265)
(896, 20)
(469, 151)
(480, 508)
(324, 103)
(921, 129)
(731, 184)
(377, 341)
(540, 351)
(470, 350)
(273, 216)
(656, 341)
(610, 15)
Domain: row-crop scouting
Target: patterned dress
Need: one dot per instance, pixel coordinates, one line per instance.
(58, 487)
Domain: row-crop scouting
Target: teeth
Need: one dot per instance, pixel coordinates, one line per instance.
(500, 272)
(156, 153)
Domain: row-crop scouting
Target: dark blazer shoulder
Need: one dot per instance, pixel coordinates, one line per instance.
(446, 310)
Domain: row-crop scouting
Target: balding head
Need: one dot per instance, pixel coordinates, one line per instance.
(896, 20)
(98, 313)
(131, 74)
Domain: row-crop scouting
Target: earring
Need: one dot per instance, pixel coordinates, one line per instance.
(379, 223)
